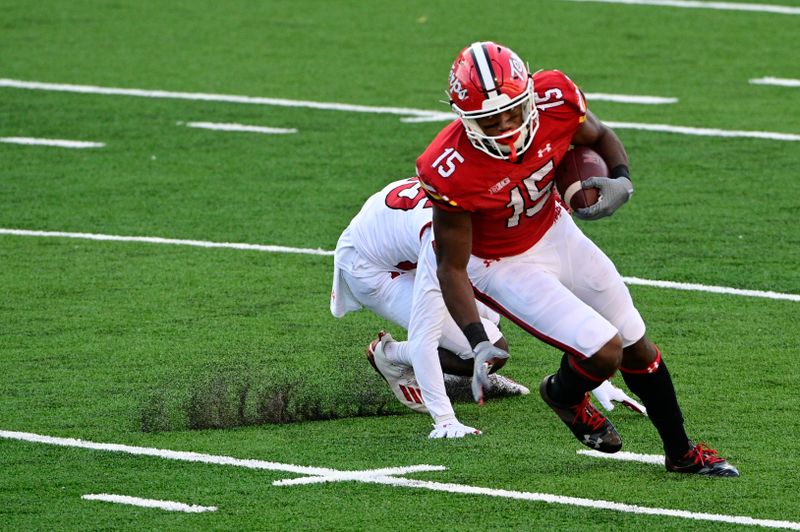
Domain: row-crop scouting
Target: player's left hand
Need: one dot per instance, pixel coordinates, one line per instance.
(452, 429)
(613, 194)
(608, 394)
(486, 354)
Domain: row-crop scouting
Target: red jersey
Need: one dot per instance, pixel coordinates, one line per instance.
(511, 204)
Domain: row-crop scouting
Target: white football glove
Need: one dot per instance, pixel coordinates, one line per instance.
(607, 394)
(613, 193)
(486, 354)
(452, 428)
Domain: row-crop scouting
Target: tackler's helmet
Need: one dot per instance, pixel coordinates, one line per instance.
(488, 79)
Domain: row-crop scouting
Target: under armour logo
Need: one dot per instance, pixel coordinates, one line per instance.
(488, 262)
(544, 150)
(592, 442)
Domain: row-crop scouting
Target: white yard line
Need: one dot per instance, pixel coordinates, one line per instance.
(354, 475)
(282, 102)
(711, 289)
(186, 456)
(656, 459)
(411, 115)
(440, 116)
(704, 132)
(380, 476)
(584, 503)
(780, 82)
(168, 241)
(230, 98)
(630, 98)
(239, 127)
(660, 128)
(322, 252)
(724, 6)
(433, 117)
(170, 506)
(60, 143)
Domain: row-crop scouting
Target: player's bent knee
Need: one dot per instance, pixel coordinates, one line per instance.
(631, 327)
(640, 354)
(607, 360)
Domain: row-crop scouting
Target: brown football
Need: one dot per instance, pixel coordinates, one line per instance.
(579, 164)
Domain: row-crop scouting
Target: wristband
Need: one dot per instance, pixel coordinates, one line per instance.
(620, 170)
(475, 333)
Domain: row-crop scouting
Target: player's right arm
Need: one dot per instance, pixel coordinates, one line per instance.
(453, 231)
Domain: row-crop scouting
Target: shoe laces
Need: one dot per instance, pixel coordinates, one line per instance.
(587, 414)
(703, 455)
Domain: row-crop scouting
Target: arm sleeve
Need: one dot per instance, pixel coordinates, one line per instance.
(428, 313)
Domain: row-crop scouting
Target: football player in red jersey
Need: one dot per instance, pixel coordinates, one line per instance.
(503, 238)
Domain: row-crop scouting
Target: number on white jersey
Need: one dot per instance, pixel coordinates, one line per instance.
(407, 196)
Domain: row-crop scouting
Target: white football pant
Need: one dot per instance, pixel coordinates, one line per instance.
(564, 290)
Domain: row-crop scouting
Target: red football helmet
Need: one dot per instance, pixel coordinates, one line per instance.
(487, 79)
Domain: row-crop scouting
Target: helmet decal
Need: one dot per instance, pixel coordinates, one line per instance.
(517, 68)
(456, 87)
(485, 70)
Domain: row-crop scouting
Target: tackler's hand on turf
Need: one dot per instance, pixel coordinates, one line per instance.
(452, 429)
(486, 354)
(613, 194)
(607, 394)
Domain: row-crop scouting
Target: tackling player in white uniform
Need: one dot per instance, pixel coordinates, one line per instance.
(385, 261)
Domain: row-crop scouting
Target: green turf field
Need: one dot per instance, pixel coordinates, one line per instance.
(233, 352)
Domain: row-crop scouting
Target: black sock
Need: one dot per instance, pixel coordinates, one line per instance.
(567, 387)
(658, 395)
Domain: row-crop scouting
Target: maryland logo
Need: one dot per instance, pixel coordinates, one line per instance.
(456, 87)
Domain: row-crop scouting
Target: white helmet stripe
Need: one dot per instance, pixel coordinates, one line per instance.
(485, 71)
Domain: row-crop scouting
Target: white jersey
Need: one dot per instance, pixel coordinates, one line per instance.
(384, 261)
(383, 236)
(388, 228)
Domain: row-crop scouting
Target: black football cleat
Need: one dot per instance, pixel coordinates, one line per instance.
(702, 460)
(589, 426)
